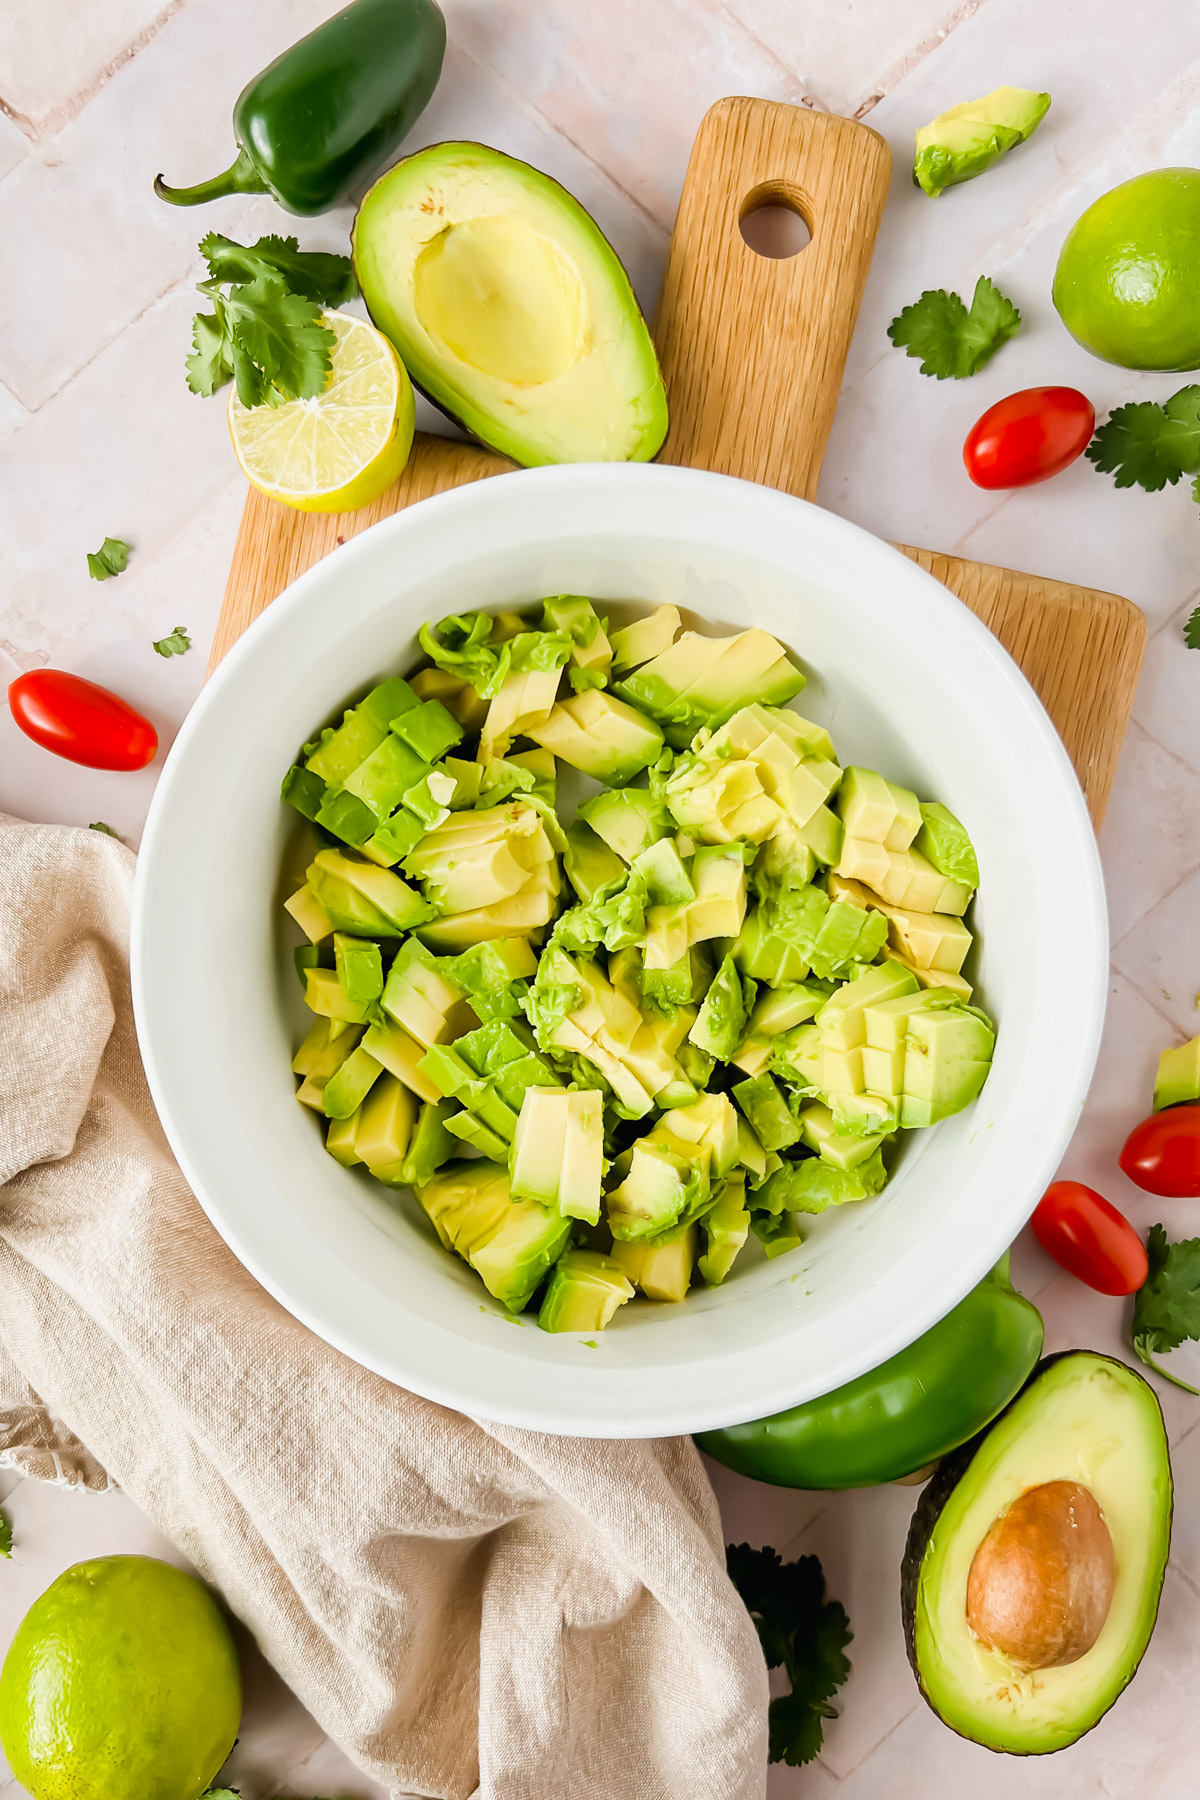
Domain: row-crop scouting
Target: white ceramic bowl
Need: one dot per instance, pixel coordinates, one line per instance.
(906, 679)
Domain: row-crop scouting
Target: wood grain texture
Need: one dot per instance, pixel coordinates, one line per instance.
(752, 352)
(752, 347)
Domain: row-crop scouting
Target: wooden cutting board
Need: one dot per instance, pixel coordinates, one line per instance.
(752, 352)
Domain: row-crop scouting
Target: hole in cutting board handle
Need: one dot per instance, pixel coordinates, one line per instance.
(775, 221)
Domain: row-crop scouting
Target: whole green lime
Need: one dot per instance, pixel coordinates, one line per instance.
(1127, 284)
(122, 1683)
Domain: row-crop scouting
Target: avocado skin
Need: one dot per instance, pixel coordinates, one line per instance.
(945, 1479)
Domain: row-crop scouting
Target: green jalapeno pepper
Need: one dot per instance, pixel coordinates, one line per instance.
(332, 109)
(902, 1416)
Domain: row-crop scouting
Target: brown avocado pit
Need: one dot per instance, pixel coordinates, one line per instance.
(1041, 1582)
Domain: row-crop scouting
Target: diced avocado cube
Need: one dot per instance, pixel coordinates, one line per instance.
(841, 1020)
(492, 975)
(964, 141)
(451, 1074)
(702, 681)
(430, 1145)
(876, 810)
(456, 695)
(776, 1232)
(511, 1244)
(394, 838)
(902, 877)
(473, 1131)
(583, 1156)
(721, 1022)
(339, 1140)
(842, 1071)
(661, 1271)
(947, 1055)
(324, 994)
(845, 1150)
(767, 1112)
(558, 1151)
(339, 751)
(346, 816)
(752, 1158)
(311, 1093)
(359, 967)
(599, 735)
(822, 834)
(883, 1071)
(385, 1124)
(1177, 1081)
(588, 861)
(719, 909)
(346, 1089)
(726, 1226)
(664, 1186)
(429, 801)
(429, 729)
(711, 1123)
(628, 819)
(401, 1055)
(646, 637)
(585, 1291)
(524, 701)
(680, 983)
(762, 954)
(799, 1057)
(304, 958)
(326, 1045)
(304, 790)
(865, 1115)
(787, 1005)
(309, 914)
(363, 899)
(667, 881)
(943, 841)
(466, 777)
(382, 780)
(753, 1056)
(422, 997)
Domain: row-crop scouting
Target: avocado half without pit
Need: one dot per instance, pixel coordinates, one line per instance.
(1036, 1557)
(509, 308)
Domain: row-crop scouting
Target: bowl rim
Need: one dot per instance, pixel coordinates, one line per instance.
(664, 1415)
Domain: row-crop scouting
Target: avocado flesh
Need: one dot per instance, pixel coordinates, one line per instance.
(1177, 1081)
(1083, 1418)
(509, 308)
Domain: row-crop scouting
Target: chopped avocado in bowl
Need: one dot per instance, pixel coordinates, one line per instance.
(699, 1016)
(905, 683)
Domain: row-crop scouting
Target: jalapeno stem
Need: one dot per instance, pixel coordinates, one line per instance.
(241, 177)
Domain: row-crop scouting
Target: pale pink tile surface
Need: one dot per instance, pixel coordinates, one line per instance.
(98, 435)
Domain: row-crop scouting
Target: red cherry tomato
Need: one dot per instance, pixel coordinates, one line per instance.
(1162, 1154)
(85, 723)
(1090, 1239)
(1028, 437)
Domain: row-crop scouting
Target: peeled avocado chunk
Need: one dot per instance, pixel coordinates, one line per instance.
(585, 1291)
(762, 772)
(637, 643)
(702, 681)
(1178, 1079)
(588, 862)
(558, 1151)
(599, 735)
(966, 140)
(628, 819)
(511, 1244)
(509, 308)
(1031, 1578)
(660, 1271)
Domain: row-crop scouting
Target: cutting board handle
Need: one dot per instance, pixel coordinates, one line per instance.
(752, 347)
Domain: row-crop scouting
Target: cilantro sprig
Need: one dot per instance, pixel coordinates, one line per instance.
(1151, 446)
(1166, 1310)
(112, 558)
(949, 339)
(176, 643)
(800, 1631)
(266, 332)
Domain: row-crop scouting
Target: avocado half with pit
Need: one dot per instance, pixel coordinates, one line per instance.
(509, 308)
(1036, 1557)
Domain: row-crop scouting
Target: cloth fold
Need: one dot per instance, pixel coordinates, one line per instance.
(465, 1607)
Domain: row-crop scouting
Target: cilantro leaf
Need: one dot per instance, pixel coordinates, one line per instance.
(210, 365)
(1191, 628)
(1150, 446)
(1166, 1310)
(5, 1536)
(110, 559)
(949, 340)
(282, 335)
(99, 825)
(317, 275)
(800, 1631)
(177, 643)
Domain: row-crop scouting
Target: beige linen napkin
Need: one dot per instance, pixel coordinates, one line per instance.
(465, 1607)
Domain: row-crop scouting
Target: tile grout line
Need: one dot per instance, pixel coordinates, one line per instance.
(59, 116)
(32, 412)
(808, 98)
(900, 71)
(531, 109)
